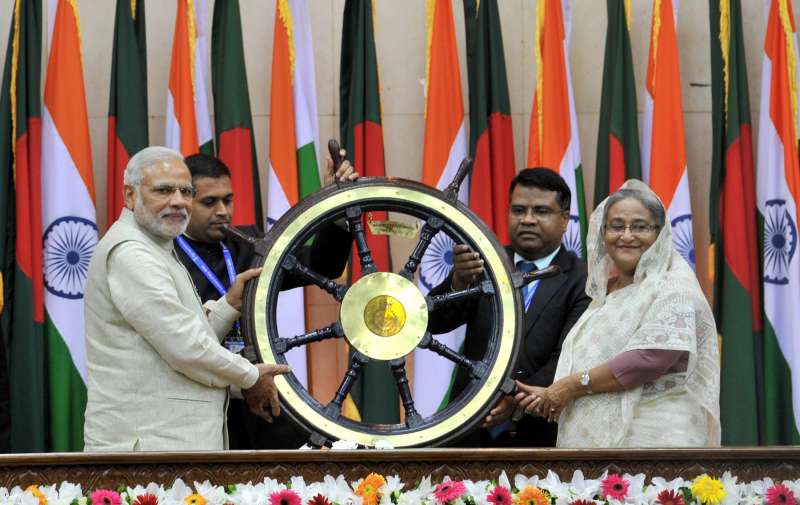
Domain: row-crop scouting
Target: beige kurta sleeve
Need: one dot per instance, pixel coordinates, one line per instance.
(146, 295)
(221, 316)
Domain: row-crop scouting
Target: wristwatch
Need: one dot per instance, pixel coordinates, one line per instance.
(586, 382)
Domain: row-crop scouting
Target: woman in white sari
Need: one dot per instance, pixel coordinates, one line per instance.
(640, 368)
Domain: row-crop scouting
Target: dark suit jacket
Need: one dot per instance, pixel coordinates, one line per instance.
(557, 304)
(328, 256)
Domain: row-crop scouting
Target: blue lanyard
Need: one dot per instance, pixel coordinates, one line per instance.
(205, 269)
(529, 291)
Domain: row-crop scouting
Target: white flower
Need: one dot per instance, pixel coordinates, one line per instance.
(214, 495)
(337, 490)
(733, 491)
(521, 482)
(248, 494)
(478, 490)
(582, 489)
(26, 498)
(298, 485)
(393, 484)
(383, 444)
(175, 494)
(503, 480)
(344, 445)
(270, 486)
(558, 490)
(636, 489)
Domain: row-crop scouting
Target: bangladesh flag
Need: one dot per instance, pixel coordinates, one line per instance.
(127, 108)
(737, 303)
(22, 316)
(233, 120)
(618, 156)
(362, 136)
(491, 140)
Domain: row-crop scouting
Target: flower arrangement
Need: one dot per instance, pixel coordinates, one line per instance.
(375, 489)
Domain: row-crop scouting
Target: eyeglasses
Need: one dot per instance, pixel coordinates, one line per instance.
(165, 191)
(539, 212)
(636, 229)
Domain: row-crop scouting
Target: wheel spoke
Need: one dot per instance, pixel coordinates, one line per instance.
(357, 363)
(413, 419)
(353, 215)
(282, 345)
(485, 288)
(429, 230)
(475, 368)
(292, 265)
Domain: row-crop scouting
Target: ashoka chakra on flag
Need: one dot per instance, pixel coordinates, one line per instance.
(682, 238)
(69, 243)
(780, 242)
(437, 261)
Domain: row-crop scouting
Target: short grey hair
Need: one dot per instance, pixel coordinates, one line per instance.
(147, 157)
(650, 202)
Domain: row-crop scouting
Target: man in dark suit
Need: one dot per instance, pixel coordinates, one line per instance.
(539, 202)
(213, 260)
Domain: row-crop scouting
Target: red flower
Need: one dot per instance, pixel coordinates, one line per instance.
(671, 497)
(105, 497)
(780, 495)
(499, 496)
(319, 500)
(614, 486)
(285, 497)
(448, 491)
(146, 499)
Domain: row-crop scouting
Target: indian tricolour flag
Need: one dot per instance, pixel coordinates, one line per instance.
(188, 128)
(663, 142)
(293, 141)
(445, 146)
(554, 142)
(778, 191)
(68, 222)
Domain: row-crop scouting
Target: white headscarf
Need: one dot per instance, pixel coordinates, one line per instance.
(664, 308)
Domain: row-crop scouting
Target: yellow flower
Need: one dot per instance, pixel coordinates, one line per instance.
(194, 499)
(708, 489)
(35, 491)
(531, 495)
(368, 489)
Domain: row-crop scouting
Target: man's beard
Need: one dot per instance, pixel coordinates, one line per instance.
(155, 224)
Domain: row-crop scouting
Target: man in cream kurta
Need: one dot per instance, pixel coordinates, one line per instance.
(158, 377)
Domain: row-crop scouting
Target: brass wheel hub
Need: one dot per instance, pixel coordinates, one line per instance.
(384, 316)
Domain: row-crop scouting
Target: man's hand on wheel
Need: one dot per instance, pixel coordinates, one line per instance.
(262, 397)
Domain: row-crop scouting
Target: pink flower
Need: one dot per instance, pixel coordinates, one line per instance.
(285, 497)
(105, 497)
(499, 496)
(448, 491)
(614, 486)
(780, 495)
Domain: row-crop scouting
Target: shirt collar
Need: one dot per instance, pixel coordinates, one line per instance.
(539, 262)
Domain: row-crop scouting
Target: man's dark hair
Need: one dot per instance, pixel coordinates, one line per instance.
(545, 179)
(203, 165)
